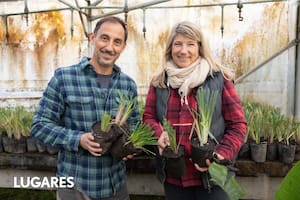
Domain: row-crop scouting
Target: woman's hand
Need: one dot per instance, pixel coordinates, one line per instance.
(203, 169)
(163, 142)
(208, 163)
(130, 156)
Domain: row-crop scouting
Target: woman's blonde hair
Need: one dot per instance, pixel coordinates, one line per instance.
(193, 32)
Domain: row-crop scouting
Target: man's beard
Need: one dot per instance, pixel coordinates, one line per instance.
(101, 62)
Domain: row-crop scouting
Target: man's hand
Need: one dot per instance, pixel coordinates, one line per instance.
(87, 142)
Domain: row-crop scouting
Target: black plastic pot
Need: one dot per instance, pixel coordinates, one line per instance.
(259, 152)
(244, 152)
(272, 151)
(12, 145)
(175, 162)
(120, 149)
(31, 144)
(1, 146)
(200, 153)
(105, 139)
(297, 153)
(286, 153)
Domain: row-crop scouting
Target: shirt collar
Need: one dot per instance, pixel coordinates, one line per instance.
(84, 63)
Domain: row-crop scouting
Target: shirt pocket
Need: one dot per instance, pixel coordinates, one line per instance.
(81, 108)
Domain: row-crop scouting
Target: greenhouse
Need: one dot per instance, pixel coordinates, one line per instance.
(257, 39)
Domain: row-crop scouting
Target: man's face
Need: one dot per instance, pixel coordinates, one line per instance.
(108, 43)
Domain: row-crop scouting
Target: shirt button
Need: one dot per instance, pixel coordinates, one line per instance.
(103, 95)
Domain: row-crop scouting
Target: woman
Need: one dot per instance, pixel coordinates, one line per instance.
(188, 66)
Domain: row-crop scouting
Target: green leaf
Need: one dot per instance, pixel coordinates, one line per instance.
(289, 187)
(172, 135)
(141, 136)
(105, 122)
(206, 100)
(213, 137)
(233, 190)
(218, 174)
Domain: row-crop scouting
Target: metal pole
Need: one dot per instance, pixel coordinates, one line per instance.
(214, 4)
(289, 45)
(77, 9)
(96, 2)
(89, 27)
(136, 7)
(34, 12)
(297, 68)
(82, 21)
(129, 9)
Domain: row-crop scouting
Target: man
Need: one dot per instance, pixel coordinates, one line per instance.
(75, 98)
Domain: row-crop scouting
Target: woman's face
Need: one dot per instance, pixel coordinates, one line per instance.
(185, 51)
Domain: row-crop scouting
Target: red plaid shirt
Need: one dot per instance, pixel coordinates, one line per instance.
(235, 126)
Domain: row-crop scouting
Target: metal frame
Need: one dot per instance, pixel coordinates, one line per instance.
(86, 18)
(86, 11)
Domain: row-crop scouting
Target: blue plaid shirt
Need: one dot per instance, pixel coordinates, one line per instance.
(71, 103)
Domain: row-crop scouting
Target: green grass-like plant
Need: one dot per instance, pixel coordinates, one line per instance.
(254, 116)
(141, 137)
(202, 118)
(268, 121)
(172, 135)
(256, 126)
(15, 121)
(297, 133)
(126, 106)
(273, 123)
(291, 127)
(106, 122)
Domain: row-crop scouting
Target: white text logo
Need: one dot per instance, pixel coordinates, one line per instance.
(44, 182)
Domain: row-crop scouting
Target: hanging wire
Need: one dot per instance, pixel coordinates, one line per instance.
(240, 6)
(72, 23)
(6, 29)
(126, 11)
(222, 20)
(144, 23)
(26, 11)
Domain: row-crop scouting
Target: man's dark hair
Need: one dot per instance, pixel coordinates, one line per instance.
(112, 19)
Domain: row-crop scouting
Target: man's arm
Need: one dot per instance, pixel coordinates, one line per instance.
(47, 126)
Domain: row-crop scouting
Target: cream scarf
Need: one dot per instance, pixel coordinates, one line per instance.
(188, 77)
